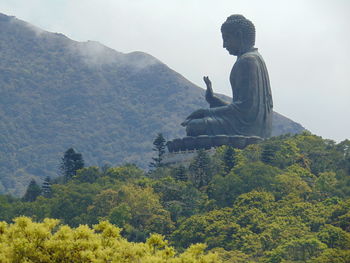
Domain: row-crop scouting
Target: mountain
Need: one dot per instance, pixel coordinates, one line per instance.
(56, 93)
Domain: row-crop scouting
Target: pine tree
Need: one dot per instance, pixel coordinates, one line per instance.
(71, 162)
(33, 191)
(200, 169)
(46, 187)
(180, 173)
(268, 153)
(229, 159)
(159, 148)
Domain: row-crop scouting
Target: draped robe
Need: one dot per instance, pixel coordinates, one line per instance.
(250, 113)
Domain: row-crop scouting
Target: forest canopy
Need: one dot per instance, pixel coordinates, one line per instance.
(286, 199)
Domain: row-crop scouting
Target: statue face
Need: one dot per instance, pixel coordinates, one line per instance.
(232, 42)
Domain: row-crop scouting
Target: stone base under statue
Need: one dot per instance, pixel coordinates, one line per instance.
(207, 142)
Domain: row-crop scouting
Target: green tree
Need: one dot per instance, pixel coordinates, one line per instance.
(333, 256)
(229, 159)
(224, 189)
(125, 172)
(291, 183)
(298, 250)
(180, 198)
(27, 241)
(268, 153)
(70, 202)
(46, 190)
(159, 149)
(33, 191)
(200, 169)
(120, 215)
(180, 173)
(334, 237)
(6, 208)
(325, 184)
(256, 175)
(103, 203)
(70, 163)
(216, 228)
(88, 174)
(147, 213)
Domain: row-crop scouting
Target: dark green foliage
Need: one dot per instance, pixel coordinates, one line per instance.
(88, 175)
(201, 169)
(180, 198)
(159, 149)
(268, 153)
(46, 190)
(120, 215)
(216, 228)
(224, 189)
(256, 175)
(33, 191)
(229, 159)
(71, 162)
(324, 155)
(180, 173)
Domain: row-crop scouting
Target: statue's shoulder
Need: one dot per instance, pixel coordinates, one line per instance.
(250, 55)
(248, 59)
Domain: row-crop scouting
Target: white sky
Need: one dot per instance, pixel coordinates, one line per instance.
(305, 44)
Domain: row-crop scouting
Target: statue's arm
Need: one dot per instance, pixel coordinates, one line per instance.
(210, 97)
(247, 81)
(216, 102)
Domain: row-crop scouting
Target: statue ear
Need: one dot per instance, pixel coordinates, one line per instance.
(238, 35)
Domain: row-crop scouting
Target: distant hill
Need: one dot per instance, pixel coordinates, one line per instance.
(56, 93)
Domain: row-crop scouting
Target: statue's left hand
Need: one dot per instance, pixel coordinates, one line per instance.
(198, 114)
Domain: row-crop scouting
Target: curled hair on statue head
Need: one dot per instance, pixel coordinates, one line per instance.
(236, 23)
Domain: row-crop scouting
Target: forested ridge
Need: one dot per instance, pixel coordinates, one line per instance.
(286, 199)
(57, 93)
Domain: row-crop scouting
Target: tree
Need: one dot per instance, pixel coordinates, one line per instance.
(180, 173)
(159, 148)
(200, 169)
(298, 250)
(268, 153)
(71, 162)
(88, 175)
(224, 189)
(334, 237)
(325, 184)
(147, 213)
(216, 228)
(27, 241)
(229, 159)
(33, 191)
(46, 190)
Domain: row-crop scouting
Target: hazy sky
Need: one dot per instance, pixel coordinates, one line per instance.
(305, 44)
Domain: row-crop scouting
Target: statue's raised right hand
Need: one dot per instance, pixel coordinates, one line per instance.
(209, 94)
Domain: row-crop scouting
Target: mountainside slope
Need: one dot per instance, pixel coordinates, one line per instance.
(57, 93)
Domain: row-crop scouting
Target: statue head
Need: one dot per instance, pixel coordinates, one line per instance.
(238, 34)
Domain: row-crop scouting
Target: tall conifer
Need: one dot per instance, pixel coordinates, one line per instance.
(159, 149)
(70, 163)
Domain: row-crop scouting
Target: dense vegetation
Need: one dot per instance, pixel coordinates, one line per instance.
(56, 93)
(25, 241)
(284, 200)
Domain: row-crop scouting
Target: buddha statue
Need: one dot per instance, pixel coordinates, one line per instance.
(250, 112)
